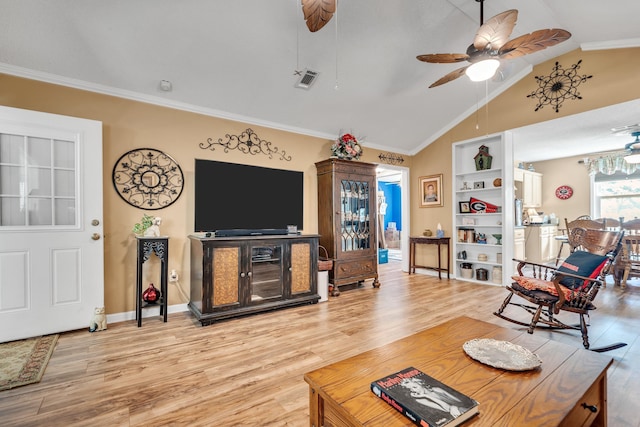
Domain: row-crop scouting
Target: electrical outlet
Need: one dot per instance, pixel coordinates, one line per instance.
(173, 276)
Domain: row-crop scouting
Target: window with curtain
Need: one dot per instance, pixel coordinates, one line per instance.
(616, 195)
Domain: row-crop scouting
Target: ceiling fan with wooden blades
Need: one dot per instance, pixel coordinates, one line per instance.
(491, 44)
(317, 13)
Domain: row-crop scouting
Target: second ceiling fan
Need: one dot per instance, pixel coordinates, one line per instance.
(491, 44)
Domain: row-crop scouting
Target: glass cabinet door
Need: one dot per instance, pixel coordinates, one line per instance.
(355, 230)
(266, 272)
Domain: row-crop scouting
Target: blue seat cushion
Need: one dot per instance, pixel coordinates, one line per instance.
(583, 264)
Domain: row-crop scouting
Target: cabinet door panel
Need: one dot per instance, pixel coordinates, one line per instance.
(226, 274)
(300, 268)
(355, 229)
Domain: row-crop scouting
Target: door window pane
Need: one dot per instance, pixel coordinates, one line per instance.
(11, 149)
(39, 151)
(65, 212)
(39, 182)
(64, 183)
(64, 154)
(12, 211)
(34, 191)
(40, 212)
(11, 180)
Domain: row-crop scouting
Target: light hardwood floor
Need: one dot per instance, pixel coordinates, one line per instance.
(249, 371)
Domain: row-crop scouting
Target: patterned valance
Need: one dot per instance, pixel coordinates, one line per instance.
(609, 164)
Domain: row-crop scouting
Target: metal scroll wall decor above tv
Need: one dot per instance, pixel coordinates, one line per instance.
(236, 199)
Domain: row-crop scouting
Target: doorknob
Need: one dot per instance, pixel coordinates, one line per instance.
(95, 236)
(95, 222)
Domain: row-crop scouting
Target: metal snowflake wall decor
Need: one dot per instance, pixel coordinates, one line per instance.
(561, 84)
(247, 142)
(148, 179)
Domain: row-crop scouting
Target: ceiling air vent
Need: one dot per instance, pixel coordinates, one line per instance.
(307, 79)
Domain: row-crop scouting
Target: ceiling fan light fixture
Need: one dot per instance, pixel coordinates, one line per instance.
(634, 151)
(482, 70)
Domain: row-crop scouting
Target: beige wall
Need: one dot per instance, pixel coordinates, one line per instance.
(615, 80)
(129, 124)
(569, 172)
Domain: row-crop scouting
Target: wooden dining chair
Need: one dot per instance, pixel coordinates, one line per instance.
(583, 221)
(628, 264)
(570, 288)
(610, 223)
(632, 226)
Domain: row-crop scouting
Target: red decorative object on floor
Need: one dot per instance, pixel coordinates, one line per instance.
(151, 295)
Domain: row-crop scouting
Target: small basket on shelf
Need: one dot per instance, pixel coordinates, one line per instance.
(324, 262)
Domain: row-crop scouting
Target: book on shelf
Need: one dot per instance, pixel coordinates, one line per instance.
(423, 399)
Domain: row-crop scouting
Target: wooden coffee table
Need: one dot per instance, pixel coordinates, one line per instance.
(569, 389)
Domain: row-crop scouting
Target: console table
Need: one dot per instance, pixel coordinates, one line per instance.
(569, 389)
(147, 246)
(440, 241)
(236, 276)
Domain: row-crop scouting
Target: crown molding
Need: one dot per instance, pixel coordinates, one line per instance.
(612, 44)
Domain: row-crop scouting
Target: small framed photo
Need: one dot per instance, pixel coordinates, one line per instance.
(465, 207)
(431, 191)
(478, 184)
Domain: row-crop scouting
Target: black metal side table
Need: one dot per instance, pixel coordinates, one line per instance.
(147, 246)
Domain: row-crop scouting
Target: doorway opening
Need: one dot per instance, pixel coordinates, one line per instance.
(393, 214)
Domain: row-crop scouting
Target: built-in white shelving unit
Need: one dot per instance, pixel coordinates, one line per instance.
(474, 231)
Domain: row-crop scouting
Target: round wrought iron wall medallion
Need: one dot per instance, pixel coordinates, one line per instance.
(564, 192)
(148, 179)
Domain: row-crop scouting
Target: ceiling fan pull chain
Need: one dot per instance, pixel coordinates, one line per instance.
(486, 105)
(298, 9)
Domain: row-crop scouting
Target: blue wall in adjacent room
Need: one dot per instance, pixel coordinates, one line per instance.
(392, 194)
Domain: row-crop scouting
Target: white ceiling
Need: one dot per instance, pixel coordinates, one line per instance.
(589, 132)
(236, 58)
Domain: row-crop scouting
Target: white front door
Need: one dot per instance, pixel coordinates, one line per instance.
(51, 248)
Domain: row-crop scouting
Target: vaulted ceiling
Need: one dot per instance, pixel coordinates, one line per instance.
(238, 58)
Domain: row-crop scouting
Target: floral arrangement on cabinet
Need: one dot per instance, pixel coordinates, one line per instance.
(346, 147)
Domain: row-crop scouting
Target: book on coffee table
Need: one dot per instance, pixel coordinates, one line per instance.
(423, 399)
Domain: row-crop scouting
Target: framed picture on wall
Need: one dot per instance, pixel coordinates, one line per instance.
(431, 193)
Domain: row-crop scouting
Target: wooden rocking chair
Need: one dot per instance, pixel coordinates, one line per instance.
(571, 287)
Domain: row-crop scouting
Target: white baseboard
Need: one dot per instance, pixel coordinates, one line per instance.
(147, 312)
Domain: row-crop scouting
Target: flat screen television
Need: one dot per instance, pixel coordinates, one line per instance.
(234, 199)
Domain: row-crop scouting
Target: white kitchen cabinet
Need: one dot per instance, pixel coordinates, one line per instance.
(518, 174)
(530, 188)
(519, 242)
(541, 243)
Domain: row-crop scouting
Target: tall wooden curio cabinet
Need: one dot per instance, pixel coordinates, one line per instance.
(347, 204)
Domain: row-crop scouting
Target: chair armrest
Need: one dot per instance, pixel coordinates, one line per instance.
(581, 297)
(542, 271)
